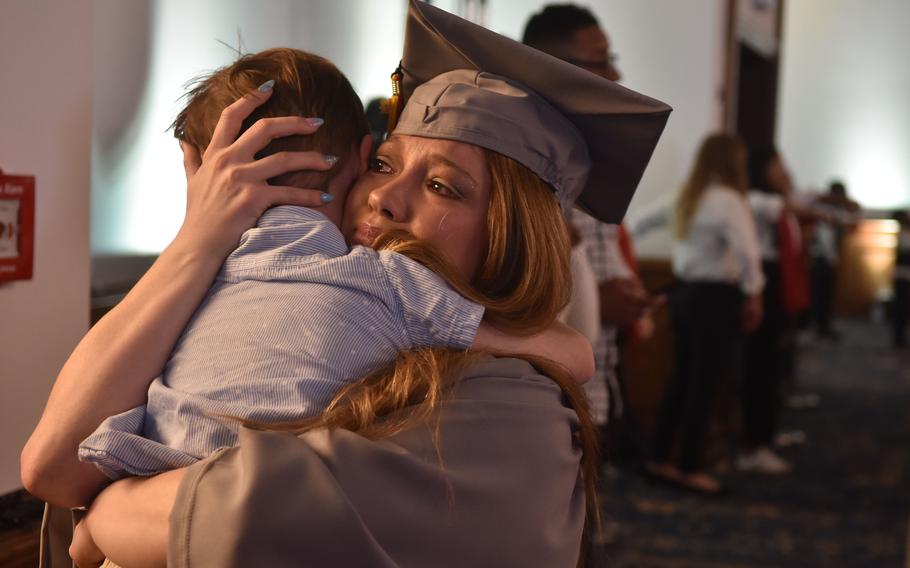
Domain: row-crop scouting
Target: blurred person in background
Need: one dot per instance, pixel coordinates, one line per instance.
(837, 214)
(573, 34)
(716, 258)
(582, 313)
(900, 315)
(770, 349)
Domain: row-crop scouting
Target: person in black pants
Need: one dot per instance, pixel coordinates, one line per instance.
(764, 368)
(901, 311)
(901, 303)
(835, 214)
(824, 278)
(717, 262)
(707, 338)
(768, 353)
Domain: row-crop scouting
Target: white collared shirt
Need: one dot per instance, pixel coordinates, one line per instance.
(722, 244)
(767, 209)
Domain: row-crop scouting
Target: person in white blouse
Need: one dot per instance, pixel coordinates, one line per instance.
(717, 260)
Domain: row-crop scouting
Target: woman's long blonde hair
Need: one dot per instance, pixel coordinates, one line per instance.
(523, 282)
(720, 160)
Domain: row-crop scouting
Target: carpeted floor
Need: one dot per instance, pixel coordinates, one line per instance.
(20, 520)
(846, 504)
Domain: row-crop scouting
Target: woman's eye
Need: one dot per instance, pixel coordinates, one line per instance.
(442, 189)
(379, 166)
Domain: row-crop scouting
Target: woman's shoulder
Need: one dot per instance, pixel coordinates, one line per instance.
(718, 200)
(724, 194)
(506, 368)
(510, 380)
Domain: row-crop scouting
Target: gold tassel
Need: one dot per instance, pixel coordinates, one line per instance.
(393, 105)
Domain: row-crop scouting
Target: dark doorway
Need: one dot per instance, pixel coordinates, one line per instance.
(756, 96)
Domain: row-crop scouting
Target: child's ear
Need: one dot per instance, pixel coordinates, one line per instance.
(192, 159)
(366, 147)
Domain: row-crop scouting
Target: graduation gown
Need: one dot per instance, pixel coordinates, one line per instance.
(504, 489)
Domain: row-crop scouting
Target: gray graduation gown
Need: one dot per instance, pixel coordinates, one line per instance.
(505, 491)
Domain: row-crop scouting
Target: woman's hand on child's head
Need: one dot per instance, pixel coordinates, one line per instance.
(228, 190)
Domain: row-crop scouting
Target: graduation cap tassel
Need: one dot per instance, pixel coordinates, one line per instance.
(393, 105)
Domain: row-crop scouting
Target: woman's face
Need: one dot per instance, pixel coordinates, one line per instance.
(436, 190)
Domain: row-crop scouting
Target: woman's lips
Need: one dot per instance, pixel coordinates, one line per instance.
(366, 234)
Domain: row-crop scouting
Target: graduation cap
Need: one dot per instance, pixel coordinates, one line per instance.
(587, 136)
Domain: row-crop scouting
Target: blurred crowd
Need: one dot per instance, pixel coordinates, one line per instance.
(754, 265)
(755, 268)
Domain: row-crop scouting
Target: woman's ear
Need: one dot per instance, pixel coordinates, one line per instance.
(366, 148)
(192, 159)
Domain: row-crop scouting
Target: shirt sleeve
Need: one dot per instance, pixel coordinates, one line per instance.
(652, 218)
(433, 313)
(738, 227)
(766, 207)
(601, 243)
(119, 448)
(502, 488)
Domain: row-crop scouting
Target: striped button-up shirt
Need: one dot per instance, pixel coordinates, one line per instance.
(292, 318)
(600, 242)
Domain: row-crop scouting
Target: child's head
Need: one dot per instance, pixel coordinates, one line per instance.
(305, 85)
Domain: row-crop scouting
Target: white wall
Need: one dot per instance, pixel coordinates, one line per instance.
(843, 101)
(146, 50)
(45, 105)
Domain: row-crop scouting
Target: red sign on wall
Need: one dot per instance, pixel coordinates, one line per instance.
(17, 226)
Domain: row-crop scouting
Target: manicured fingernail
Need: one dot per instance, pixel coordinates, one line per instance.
(325, 197)
(331, 160)
(267, 86)
(316, 121)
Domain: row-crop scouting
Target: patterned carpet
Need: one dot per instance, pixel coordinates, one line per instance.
(846, 504)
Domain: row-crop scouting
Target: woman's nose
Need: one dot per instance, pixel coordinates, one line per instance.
(390, 200)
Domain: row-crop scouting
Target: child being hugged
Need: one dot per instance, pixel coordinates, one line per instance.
(295, 314)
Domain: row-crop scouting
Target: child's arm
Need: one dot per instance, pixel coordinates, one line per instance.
(558, 343)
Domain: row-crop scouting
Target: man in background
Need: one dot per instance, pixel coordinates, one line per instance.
(837, 215)
(573, 34)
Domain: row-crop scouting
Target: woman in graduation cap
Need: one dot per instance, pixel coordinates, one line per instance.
(446, 459)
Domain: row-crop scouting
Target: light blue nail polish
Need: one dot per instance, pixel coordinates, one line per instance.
(267, 86)
(326, 198)
(331, 160)
(316, 121)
